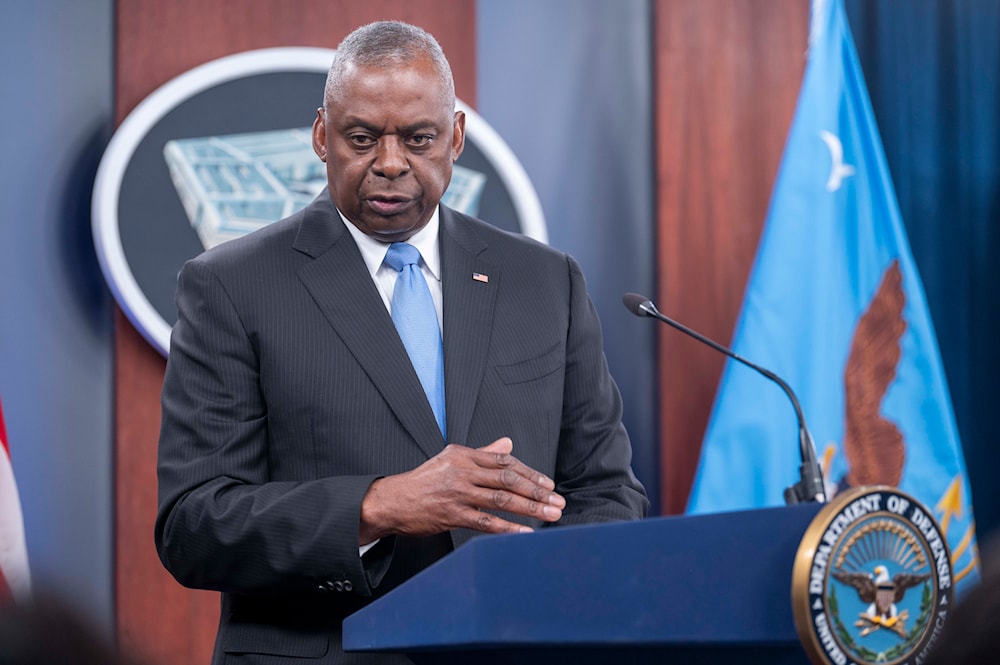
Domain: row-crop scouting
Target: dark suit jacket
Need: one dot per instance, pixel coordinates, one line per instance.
(288, 392)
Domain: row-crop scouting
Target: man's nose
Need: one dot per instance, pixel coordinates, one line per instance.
(390, 158)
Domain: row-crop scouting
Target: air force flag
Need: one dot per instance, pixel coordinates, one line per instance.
(835, 306)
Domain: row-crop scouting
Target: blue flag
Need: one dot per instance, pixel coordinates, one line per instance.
(834, 305)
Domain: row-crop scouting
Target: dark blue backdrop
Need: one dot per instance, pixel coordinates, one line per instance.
(933, 72)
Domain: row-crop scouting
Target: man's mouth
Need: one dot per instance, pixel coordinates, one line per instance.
(388, 205)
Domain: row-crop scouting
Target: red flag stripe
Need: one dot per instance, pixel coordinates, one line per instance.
(15, 578)
(3, 433)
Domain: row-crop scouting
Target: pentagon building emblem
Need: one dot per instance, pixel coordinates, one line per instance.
(233, 185)
(872, 581)
(226, 148)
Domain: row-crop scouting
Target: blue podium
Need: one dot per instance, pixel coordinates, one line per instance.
(702, 589)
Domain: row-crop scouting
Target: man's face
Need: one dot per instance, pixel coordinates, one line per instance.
(389, 142)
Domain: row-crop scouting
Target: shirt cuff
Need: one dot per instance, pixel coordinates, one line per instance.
(364, 548)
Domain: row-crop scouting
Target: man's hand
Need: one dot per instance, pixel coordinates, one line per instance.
(451, 490)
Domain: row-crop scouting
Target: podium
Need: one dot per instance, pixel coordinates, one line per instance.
(702, 589)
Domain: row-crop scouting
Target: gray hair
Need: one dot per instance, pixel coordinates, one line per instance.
(385, 44)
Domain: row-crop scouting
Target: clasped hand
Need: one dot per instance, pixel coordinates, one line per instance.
(452, 489)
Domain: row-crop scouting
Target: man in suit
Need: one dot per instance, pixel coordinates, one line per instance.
(302, 466)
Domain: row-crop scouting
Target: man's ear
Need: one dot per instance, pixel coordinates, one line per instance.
(458, 139)
(319, 134)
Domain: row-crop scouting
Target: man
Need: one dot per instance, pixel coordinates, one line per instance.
(303, 468)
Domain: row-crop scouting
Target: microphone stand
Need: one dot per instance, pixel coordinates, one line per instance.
(809, 488)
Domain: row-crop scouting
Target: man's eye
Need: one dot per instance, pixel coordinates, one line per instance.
(420, 139)
(362, 140)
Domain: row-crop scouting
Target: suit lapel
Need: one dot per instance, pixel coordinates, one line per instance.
(339, 282)
(468, 320)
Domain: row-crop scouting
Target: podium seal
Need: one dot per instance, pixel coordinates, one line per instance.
(872, 580)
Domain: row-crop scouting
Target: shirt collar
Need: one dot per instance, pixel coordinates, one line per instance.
(425, 240)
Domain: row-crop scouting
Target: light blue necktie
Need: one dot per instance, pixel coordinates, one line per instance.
(416, 321)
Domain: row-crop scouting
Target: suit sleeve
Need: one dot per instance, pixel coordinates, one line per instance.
(593, 465)
(222, 523)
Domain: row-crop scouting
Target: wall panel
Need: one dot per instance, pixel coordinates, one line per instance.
(727, 75)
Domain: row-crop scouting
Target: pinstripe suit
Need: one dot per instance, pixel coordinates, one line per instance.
(284, 400)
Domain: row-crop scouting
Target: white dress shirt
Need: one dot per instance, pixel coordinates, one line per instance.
(425, 240)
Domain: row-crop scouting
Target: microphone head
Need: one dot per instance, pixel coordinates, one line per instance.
(637, 304)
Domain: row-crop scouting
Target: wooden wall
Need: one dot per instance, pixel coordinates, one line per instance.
(727, 74)
(727, 78)
(158, 620)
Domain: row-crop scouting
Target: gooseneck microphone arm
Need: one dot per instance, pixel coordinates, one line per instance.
(810, 485)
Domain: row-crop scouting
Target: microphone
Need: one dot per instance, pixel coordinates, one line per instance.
(810, 485)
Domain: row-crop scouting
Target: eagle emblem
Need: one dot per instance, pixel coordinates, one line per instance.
(882, 593)
(873, 445)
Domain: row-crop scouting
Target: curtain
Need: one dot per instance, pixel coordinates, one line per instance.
(933, 73)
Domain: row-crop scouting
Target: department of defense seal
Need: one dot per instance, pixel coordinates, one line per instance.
(872, 580)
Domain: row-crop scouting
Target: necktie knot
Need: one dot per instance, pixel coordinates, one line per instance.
(400, 255)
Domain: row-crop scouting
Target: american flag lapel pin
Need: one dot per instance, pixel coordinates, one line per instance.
(480, 277)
